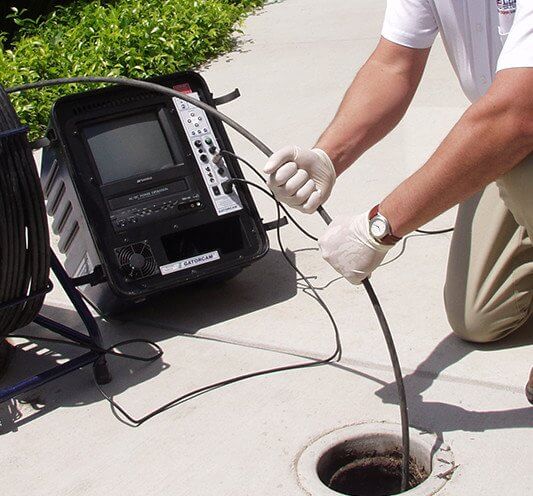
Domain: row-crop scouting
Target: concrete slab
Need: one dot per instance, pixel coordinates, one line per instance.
(294, 63)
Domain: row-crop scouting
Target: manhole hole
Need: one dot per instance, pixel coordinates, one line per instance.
(354, 472)
(366, 460)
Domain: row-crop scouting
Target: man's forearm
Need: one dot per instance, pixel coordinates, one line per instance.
(374, 104)
(491, 138)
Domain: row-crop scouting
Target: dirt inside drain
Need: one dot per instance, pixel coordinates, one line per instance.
(372, 474)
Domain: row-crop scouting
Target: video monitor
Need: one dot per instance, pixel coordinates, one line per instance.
(129, 146)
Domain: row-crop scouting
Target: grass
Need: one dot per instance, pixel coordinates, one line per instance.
(133, 38)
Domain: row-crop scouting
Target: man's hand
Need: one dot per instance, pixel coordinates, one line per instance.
(301, 178)
(350, 249)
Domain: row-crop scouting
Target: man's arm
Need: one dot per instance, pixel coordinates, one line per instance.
(492, 137)
(373, 105)
(375, 102)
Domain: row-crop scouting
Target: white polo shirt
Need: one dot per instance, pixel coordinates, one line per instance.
(480, 36)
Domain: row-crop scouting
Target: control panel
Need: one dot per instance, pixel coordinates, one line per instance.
(148, 213)
(205, 146)
(144, 207)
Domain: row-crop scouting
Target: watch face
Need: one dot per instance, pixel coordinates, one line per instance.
(378, 228)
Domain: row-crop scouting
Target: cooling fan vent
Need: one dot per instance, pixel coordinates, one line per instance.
(137, 261)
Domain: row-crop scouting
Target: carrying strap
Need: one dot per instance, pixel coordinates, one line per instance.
(40, 143)
(221, 100)
(270, 226)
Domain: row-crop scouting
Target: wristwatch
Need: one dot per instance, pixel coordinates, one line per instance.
(380, 228)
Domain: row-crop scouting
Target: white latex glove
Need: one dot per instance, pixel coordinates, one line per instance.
(350, 249)
(303, 179)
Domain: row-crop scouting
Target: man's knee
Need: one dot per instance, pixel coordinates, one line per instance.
(515, 191)
(478, 326)
(475, 331)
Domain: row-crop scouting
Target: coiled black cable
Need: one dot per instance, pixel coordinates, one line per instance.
(24, 239)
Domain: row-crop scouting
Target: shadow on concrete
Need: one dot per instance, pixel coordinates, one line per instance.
(73, 390)
(267, 282)
(441, 417)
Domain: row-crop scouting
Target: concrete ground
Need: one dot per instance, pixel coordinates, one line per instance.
(293, 64)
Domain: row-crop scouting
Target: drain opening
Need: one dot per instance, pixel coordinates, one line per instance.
(365, 460)
(371, 465)
(369, 473)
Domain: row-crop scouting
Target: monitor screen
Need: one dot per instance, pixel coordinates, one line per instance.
(129, 146)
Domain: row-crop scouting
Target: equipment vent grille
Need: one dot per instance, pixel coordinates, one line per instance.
(137, 261)
(111, 103)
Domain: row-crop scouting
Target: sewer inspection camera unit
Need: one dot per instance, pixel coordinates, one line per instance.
(137, 201)
(146, 195)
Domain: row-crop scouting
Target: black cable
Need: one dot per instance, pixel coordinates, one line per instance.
(145, 85)
(314, 238)
(259, 175)
(24, 240)
(325, 216)
(335, 356)
(289, 261)
(441, 231)
(404, 412)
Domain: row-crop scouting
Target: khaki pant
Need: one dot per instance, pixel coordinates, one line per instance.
(489, 284)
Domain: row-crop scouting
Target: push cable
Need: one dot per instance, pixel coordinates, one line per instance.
(439, 231)
(145, 85)
(306, 233)
(24, 239)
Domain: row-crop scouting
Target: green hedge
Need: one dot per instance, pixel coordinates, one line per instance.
(33, 9)
(133, 38)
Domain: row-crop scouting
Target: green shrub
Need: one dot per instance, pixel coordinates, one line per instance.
(133, 38)
(33, 8)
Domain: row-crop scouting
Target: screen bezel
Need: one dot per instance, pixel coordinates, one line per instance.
(144, 180)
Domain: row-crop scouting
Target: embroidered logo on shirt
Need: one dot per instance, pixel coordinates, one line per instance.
(506, 6)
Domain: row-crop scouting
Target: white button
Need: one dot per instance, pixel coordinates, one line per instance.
(479, 27)
(484, 79)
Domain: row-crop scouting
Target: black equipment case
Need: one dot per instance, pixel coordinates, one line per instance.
(136, 198)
